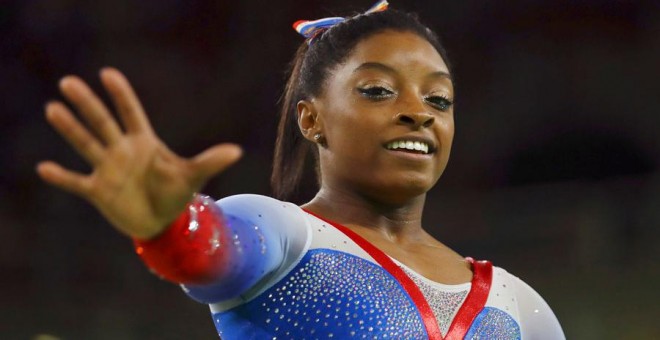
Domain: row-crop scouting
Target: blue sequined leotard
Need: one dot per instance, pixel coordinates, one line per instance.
(297, 276)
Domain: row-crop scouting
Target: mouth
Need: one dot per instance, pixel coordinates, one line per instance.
(410, 146)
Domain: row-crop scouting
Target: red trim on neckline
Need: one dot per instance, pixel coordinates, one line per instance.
(475, 301)
(473, 304)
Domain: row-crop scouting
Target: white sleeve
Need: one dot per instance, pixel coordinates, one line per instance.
(284, 229)
(283, 222)
(537, 321)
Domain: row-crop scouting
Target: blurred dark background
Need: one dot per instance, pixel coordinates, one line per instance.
(554, 172)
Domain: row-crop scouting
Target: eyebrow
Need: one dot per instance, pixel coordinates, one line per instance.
(388, 69)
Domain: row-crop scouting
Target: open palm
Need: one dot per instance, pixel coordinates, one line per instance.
(137, 183)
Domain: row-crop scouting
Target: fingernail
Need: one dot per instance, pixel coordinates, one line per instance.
(48, 104)
(64, 81)
(40, 166)
(48, 108)
(105, 69)
(239, 150)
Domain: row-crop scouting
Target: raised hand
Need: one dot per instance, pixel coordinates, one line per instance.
(137, 183)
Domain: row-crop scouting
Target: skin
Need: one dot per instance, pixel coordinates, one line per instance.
(140, 186)
(137, 183)
(380, 193)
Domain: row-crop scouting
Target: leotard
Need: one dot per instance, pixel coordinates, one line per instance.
(288, 274)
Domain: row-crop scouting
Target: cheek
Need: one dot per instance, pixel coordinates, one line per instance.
(352, 138)
(447, 130)
(445, 135)
(353, 127)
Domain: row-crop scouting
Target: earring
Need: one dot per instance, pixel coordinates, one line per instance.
(319, 139)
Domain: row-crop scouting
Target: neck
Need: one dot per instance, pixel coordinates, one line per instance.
(398, 222)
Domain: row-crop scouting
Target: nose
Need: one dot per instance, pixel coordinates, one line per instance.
(415, 120)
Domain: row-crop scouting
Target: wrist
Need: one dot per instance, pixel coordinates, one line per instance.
(187, 250)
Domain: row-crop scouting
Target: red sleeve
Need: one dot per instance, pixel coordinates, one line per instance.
(189, 251)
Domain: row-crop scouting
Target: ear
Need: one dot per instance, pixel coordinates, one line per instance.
(309, 120)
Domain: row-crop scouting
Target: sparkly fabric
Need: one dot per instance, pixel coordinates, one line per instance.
(444, 304)
(329, 294)
(494, 324)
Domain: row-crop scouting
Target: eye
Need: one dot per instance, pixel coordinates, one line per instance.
(439, 102)
(376, 92)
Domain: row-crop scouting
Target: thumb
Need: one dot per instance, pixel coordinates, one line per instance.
(214, 160)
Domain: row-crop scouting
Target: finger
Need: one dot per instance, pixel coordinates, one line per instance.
(91, 108)
(64, 179)
(126, 101)
(74, 132)
(214, 160)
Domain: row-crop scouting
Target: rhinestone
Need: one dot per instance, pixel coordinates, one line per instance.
(371, 301)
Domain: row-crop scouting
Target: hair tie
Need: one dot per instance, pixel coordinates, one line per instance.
(311, 28)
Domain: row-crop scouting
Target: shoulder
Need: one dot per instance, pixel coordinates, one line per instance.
(254, 202)
(285, 221)
(258, 209)
(537, 320)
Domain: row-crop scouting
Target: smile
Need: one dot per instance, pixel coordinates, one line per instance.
(414, 146)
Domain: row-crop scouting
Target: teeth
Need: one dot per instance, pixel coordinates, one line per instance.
(409, 145)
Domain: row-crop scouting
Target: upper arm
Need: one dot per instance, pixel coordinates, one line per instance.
(537, 321)
(267, 236)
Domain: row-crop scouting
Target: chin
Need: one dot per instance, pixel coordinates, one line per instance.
(414, 188)
(401, 191)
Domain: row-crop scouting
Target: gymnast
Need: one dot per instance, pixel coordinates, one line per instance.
(370, 98)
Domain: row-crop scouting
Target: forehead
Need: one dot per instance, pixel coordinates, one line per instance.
(397, 49)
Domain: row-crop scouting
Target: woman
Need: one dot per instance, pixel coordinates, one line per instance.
(371, 97)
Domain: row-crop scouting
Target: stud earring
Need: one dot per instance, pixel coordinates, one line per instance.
(319, 139)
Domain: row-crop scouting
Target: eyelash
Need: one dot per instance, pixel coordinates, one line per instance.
(378, 93)
(439, 102)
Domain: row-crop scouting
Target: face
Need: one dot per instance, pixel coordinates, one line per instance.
(387, 118)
